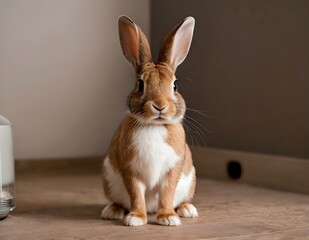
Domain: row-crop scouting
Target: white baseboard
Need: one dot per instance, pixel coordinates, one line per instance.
(277, 172)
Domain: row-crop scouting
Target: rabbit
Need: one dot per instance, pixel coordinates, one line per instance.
(148, 168)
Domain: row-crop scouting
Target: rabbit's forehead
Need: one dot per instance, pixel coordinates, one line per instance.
(158, 82)
(157, 75)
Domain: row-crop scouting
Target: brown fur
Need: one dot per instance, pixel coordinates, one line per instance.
(166, 214)
(166, 194)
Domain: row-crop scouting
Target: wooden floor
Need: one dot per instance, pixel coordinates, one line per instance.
(68, 207)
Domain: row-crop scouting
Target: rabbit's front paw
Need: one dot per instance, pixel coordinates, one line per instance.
(135, 219)
(171, 219)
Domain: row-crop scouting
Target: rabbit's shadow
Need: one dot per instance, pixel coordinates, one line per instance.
(151, 219)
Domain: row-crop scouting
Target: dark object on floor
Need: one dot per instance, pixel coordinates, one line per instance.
(234, 169)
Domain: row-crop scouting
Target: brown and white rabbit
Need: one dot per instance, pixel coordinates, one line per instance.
(149, 165)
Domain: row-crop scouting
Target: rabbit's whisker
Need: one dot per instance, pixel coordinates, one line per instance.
(198, 111)
(197, 122)
(198, 131)
(190, 131)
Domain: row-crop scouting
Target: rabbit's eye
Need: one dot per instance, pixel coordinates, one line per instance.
(141, 86)
(175, 86)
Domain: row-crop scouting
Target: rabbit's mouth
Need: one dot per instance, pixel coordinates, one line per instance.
(161, 119)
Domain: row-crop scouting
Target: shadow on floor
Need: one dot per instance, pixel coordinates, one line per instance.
(74, 213)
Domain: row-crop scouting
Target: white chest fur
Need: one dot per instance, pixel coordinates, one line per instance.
(154, 156)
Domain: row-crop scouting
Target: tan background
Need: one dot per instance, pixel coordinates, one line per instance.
(249, 66)
(63, 79)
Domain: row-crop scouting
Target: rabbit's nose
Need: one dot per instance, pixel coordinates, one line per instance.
(159, 108)
(160, 104)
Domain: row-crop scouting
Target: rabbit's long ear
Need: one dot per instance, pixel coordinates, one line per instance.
(177, 43)
(134, 44)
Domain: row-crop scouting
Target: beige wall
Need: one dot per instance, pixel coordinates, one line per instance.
(63, 79)
(249, 66)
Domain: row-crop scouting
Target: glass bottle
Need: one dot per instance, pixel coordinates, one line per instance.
(7, 175)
